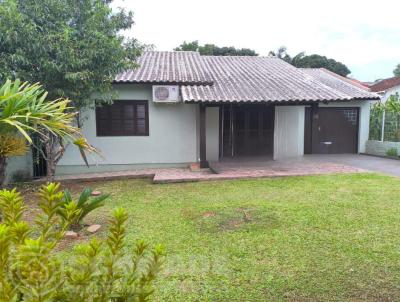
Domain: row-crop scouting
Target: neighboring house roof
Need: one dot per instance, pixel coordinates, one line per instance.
(241, 79)
(185, 67)
(385, 84)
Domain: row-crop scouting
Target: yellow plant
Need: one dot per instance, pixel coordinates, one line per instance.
(12, 145)
(24, 110)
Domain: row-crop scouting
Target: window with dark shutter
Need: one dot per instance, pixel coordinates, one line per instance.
(123, 118)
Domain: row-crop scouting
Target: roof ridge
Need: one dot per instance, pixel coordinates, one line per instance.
(170, 51)
(252, 57)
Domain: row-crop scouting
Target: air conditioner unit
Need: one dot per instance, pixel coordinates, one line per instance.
(165, 93)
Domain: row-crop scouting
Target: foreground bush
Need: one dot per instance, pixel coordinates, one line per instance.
(86, 203)
(32, 271)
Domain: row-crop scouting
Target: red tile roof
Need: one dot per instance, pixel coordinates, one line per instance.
(385, 84)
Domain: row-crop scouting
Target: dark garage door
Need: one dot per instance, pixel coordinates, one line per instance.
(331, 130)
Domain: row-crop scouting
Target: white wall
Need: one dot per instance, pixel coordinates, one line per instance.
(364, 119)
(172, 139)
(289, 132)
(212, 133)
(389, 92)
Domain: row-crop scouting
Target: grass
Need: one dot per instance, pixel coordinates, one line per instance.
(316, 238)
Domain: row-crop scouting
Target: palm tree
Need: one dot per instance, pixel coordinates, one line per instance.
(281, 53)
(24, 111)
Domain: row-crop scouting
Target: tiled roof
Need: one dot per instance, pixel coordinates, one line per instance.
(363, 84)
(385, 84)
(238, 79)
(335, 81)
(185, 67)
(267, 79)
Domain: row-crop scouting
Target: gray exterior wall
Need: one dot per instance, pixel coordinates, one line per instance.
(19, 168)
(379, 148)
(172, 141)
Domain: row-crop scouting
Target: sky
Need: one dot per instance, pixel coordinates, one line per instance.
(364, 35)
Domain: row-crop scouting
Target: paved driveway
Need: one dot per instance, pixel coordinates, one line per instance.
(371, 163)
(255, 167)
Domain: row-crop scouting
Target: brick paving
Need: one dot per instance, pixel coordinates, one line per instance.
(223, 170)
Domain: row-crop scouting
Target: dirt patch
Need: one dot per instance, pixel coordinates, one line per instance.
(231, 224)
(240, 217)
(83, 236)
(208, 214)
(235, 219)
(189, 213)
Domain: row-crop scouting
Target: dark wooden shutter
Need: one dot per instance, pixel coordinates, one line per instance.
(123, 118)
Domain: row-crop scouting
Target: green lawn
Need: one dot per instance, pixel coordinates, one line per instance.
(317, 238)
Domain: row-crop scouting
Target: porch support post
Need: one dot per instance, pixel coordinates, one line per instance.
(203, 148)
(383, 126)
(314, 127)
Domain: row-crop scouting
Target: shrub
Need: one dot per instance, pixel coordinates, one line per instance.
(86, 203)
(392, 152)
(31, 270)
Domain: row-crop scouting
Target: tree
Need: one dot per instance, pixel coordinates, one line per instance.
(317, 61)
(214, 50)
(281, 53)
(24, 111)
(100, 270)
(388, 114)
(396, 71)
(188, 46)
(311, 61)
(72, 47)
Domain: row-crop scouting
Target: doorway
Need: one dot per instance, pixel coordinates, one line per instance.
(331, 130)
(247, 130)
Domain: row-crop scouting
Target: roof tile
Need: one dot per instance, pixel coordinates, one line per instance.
(241, 79)
(385, 84)
(167, 67)
(269, 79)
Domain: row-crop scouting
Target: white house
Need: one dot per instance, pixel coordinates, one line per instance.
(384, 88)
(179, 108)
(387, 87)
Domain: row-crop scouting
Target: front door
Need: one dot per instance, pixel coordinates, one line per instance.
(331, 130)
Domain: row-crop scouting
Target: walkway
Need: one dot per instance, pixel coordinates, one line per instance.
(371, 163)
(243, 169)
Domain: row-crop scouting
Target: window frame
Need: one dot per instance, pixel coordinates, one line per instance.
(123, 133)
